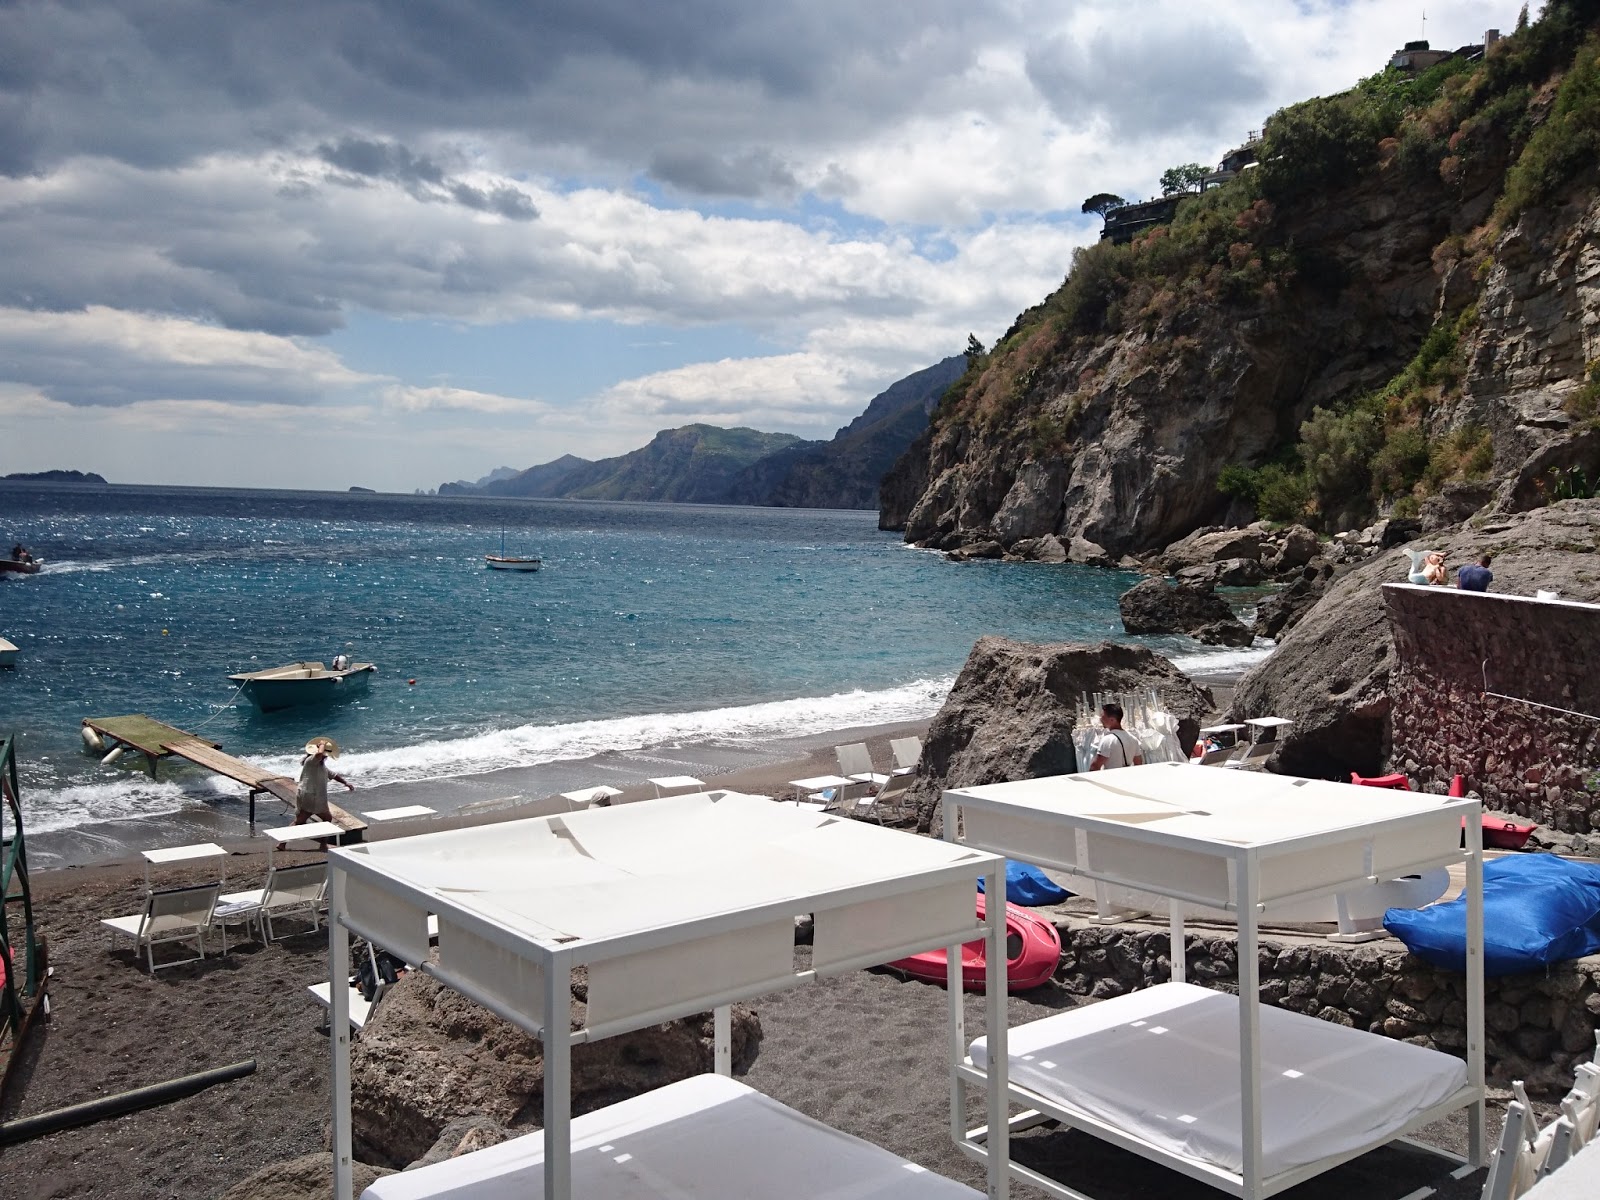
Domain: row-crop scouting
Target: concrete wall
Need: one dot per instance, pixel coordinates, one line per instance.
(1459, 655)
(1537, 1027)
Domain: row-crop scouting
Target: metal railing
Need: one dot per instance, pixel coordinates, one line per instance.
(14, 890)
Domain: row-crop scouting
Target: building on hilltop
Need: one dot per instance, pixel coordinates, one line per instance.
(1125, 223)
(1235, 160)
(1416, 57)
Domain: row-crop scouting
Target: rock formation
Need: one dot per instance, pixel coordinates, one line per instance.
(1012, 711)
(1156, 607)
(1331, 672)
(1107, 414)
(429, 1056)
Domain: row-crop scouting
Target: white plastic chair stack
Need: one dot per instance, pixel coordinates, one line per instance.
(1526, 1153)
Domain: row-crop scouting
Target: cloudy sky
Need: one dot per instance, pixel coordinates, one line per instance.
(311, 243)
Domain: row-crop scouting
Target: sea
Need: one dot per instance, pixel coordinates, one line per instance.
(657, 639)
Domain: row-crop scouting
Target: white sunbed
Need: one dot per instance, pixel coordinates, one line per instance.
(1161, 1063)
(709, 1137)
(907, 753)
(855, 764)
(287, 891)
(171, 915)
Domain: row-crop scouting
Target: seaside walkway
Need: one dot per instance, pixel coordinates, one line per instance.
(156, 741)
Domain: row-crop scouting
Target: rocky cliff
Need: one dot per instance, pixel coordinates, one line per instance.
(1406, 293)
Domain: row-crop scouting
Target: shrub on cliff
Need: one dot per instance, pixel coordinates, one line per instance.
(1567, 144)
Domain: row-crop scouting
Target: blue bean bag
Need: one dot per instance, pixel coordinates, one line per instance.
(1027, 885)
(1537, 909)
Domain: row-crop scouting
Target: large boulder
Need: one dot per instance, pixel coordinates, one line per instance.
(429, 1056)
(1330, 672)
(309, 1177)
(1014, 706)
(1210, 545)
(1154, 606)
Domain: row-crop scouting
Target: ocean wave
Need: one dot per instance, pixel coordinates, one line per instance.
(1224, 660)
(536, 745)
(131, 795)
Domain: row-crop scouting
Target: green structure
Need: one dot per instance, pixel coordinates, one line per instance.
(21, 955)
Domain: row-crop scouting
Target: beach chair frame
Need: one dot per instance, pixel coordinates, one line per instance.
(178, 915)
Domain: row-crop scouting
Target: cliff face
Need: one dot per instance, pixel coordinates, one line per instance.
(1466, 331)
(692, 465)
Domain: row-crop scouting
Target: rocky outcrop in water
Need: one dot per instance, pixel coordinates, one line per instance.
(1156, 607)
(1013, 708)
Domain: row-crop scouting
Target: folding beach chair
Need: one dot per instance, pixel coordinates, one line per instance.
(181, 915)
(886, 801)
(907, 753)
(288, 891)
(855, 764)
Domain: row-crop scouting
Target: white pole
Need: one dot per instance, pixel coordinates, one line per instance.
(1177, 951)
(1249, 1028)
(339, 1032)
(957, 1045)
(557, 1081)
(1476, 1133)
(722, 1052)
(999, 1143)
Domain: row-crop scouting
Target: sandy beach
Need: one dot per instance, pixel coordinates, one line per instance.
(863, 1052)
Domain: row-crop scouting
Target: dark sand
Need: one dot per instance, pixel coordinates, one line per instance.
(863, 1052)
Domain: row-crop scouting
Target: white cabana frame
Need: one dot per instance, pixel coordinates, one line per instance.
(677, 906)
(1244, 843)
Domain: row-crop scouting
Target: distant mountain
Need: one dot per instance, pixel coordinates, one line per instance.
(696, 464)
(705, 464)
(462, 488)
(845, 472)
(56, 477)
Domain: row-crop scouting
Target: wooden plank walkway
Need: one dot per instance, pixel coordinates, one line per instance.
(156, 740)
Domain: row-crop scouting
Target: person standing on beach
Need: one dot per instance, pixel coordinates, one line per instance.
(311, 796)
(1115, 747)
(1475, 577)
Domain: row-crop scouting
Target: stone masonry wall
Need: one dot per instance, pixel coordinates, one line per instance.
(1519, 757)
(1537, 1027)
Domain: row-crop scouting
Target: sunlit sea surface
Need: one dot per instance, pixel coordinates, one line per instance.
(650, 626)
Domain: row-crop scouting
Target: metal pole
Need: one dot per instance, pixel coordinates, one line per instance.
(957, 1033)
(1476, 1132)
(557, 1042)
(722, 1053)
(1249, 1028)
(339, 1032)
(999, 1141)
(1177, 950)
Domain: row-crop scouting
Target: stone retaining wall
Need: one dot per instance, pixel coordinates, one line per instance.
(1538, 1027)
(1452, 649)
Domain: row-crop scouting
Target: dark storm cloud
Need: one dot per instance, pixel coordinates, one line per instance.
(1143, 80)
(160, 82)
(696, 169)
(380, 160)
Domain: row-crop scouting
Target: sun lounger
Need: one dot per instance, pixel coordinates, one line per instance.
(288, 891)
(181, 915)
(855, 764)
(907, 753)
(878, 805)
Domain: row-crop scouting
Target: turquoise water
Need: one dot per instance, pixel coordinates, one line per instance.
(650, 626)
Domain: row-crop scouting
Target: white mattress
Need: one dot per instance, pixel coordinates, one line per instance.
(1162, 1064)
(708, 1137)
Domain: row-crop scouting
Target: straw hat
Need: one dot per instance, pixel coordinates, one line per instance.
(323, 745)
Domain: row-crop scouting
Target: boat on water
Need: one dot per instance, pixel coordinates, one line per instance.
(1033, 950)
(15, 566)
(304, 683)
(505, 562)
(8, 653)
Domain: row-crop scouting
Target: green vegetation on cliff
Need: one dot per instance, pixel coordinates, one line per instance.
(1245, 278)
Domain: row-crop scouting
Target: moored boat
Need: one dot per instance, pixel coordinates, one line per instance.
(303, 683)
(1033, 950)
(499, 562)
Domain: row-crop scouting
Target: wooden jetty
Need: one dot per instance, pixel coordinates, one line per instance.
(156, 741)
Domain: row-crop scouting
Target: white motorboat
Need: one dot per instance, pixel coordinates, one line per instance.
(8, 653)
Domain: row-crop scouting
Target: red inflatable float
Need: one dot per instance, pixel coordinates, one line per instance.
(1500, 834)
(1033, 949)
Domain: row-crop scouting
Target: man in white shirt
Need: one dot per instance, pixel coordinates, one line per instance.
(1116, 747)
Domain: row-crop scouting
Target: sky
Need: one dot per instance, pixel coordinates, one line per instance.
(317, 243)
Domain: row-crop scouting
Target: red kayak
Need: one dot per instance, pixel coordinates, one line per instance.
(1033, 948)
(1502, 835)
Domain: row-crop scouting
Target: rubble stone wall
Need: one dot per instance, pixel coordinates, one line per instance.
(1537, 1027)
(1489, 687)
